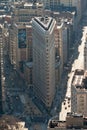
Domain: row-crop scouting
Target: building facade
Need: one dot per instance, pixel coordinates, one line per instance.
(20, 45)
(59, 53)
(1, 70)
(69, 27)
(85, 54)
(44, 58)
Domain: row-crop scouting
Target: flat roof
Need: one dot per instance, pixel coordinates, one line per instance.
(79, 80)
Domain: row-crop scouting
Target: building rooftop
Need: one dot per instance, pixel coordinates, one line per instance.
(26, 5)
(64, 14)
(80, 79)
(62, 17)
(44, 22)
(56, 124)
(21, 24)
(74, 115)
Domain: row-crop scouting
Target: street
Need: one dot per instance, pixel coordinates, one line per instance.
(77, 64)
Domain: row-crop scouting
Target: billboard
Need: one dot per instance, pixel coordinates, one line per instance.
(22, 38)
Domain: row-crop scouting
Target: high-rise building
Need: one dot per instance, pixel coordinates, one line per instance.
(53, 3)
(20, 44)
(24, 12)
(80, 5)
(60, 45)
(44, 58)
(79, 92)
(69, 24)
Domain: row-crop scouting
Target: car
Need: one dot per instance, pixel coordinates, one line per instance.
(65, 108)
(68, 102)
(69, 98)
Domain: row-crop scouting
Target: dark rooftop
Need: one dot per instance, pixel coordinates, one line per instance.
(44, 22)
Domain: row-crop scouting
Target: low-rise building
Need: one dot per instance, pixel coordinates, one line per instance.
(73, 121)
(11, 123)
